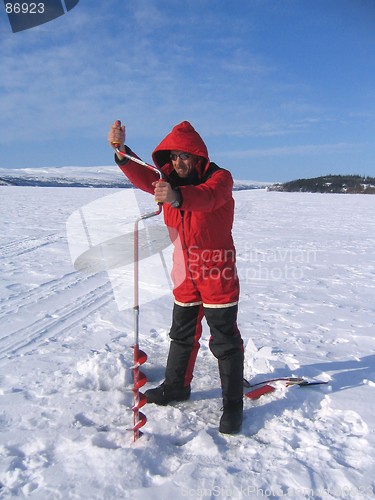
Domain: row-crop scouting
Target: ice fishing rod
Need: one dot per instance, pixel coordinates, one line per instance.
(139, 356)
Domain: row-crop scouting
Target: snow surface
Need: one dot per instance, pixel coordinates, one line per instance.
(307, 269)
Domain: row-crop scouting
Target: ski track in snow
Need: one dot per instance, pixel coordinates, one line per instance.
(17, 248)
(307, 269)
(53, 324)
(83, 295)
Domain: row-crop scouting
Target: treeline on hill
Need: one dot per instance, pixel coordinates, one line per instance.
(329, 184)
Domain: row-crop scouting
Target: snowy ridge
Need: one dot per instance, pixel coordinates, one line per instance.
(100, 177)
(65, 177)
(306, 265)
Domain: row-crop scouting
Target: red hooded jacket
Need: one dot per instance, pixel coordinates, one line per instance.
(204, 269)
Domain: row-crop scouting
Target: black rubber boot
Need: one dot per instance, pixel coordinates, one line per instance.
(231, 419)
(227, 346)
(165, 394)
(231, 374)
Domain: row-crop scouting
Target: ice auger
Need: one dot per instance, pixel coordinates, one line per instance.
(140, 357)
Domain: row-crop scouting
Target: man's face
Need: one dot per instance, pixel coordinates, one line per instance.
(183, 163)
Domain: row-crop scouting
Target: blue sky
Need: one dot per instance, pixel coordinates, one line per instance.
(278, 89)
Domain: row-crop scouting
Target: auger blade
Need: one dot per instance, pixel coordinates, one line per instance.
(140, 420)
(140, 357)
(139, 400)
(139, 379)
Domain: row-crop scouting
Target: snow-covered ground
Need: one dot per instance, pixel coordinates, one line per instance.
(307, 269)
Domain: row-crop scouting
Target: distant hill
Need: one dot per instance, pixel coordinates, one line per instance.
(105, 177)
(98, 177)
(329, 184)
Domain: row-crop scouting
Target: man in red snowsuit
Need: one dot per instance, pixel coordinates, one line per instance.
(198, 211)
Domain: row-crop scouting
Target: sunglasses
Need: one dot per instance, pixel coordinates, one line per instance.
(182, 156)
